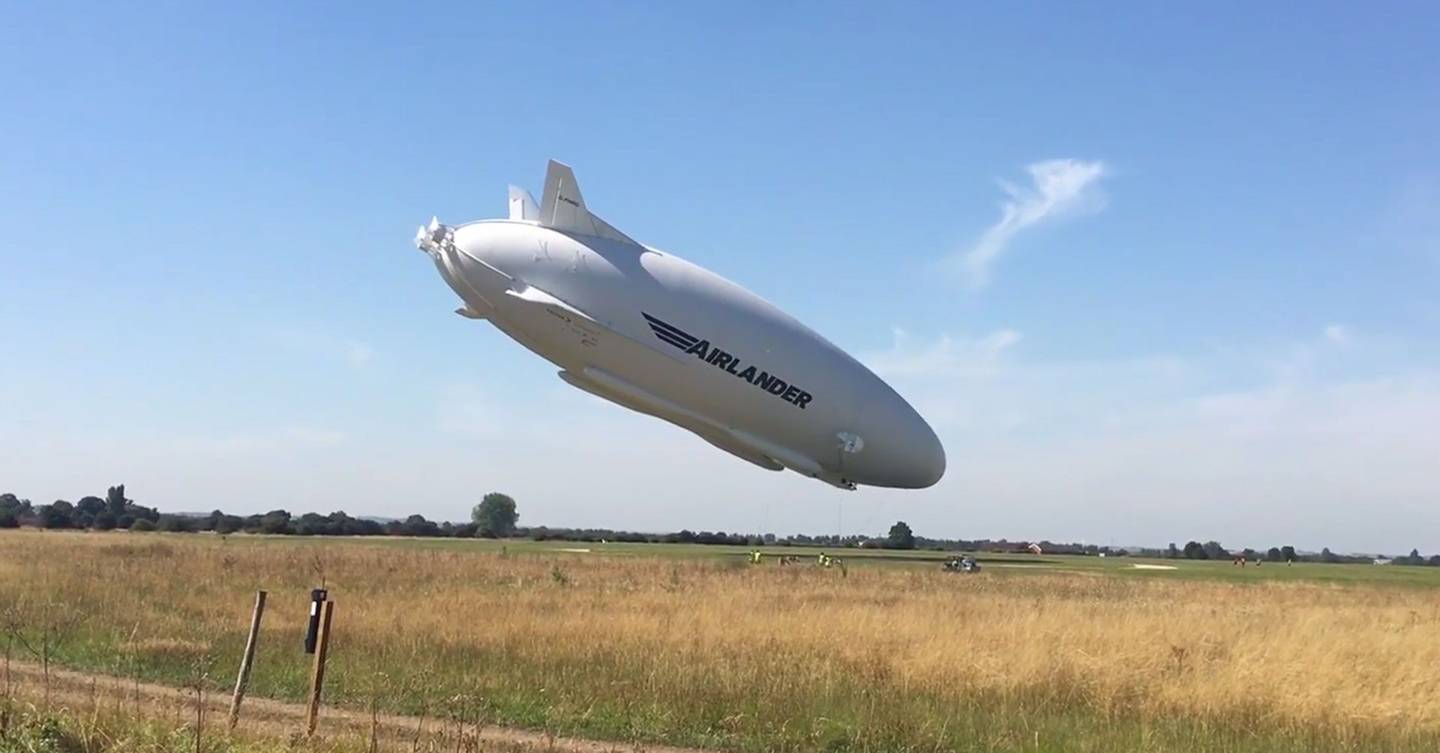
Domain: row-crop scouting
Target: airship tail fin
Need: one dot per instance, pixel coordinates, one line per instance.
(523, 206)
(563, 207)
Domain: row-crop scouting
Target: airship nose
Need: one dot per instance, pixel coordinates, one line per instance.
(900, 449)
(922, 461)
(464, 256)
(931, 461)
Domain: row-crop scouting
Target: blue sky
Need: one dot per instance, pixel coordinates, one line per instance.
(1153, 273)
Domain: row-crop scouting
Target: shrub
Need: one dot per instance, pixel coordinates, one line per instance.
(175, 524)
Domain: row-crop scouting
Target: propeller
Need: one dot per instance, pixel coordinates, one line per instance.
(428, 237)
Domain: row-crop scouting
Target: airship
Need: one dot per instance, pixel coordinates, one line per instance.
(647, 330)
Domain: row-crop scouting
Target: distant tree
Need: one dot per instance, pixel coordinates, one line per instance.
(141, 512)
(209, 522)
(1250, 554)
(91, 505)
(12, 508)
(1434, 560)
(1287, 552)
(116, 501)
(360, 527)
(275, 521)
(1194, 550)
(310, 524)
(900, 536)
(1214, 551)
(1172, 552)
(1273, 554)
(175, 524)
(143, 524)
(495, 517)
(339, 524)
(86, 510)
(103, 521)
(1328, 556)
(417, 525)
(58, 514)
(1414, 558)
(227, 524)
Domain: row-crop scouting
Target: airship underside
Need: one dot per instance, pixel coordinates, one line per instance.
(654, 333)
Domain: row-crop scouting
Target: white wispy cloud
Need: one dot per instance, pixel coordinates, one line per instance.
(1338, 334)
(1410, 222)
(260, 442)
(1313, 357)
(326, 344)
(1059, 188)
(358, 353)
(466, 411)
(944, 355)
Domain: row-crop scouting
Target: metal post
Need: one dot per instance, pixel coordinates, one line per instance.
(312, 629)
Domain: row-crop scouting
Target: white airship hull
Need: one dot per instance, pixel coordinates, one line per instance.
(656, 334)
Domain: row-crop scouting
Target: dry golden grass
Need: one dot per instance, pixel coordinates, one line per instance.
(708, 652)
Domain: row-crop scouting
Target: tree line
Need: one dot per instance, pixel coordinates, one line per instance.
(496, 517)
(1212, 550)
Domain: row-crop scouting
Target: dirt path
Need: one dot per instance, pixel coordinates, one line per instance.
(262, 717)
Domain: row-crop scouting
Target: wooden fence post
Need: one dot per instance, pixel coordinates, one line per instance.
(317, 672)
(248, 660)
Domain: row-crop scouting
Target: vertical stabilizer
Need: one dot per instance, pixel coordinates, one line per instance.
(523, 206)
(563, 208)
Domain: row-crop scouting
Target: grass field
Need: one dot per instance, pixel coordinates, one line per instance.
(28, 729)
(1120, 566)
(691, 646)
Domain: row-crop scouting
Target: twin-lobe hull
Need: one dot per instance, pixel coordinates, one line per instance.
(656, 334)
